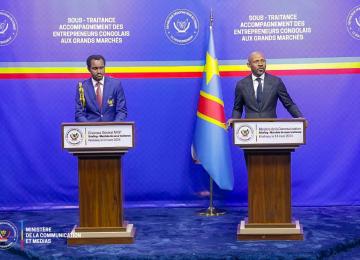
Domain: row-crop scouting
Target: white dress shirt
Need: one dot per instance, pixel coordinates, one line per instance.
(256, 83)
(101, 84)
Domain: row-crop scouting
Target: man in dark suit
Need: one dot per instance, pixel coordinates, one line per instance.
(99, 98)
(260, 91)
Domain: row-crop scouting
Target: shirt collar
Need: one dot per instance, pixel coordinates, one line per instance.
(254, 77)
(101, 81)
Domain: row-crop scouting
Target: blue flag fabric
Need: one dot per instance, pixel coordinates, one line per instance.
(211, 142)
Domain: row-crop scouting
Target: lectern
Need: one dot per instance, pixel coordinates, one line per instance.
(99, 148)
(268, 144)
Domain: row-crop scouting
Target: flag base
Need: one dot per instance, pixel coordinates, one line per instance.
(211, 212)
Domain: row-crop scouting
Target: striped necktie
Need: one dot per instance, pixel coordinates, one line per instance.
(98, 94)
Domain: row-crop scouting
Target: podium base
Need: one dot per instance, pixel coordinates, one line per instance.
(270, 231)
(95, 237)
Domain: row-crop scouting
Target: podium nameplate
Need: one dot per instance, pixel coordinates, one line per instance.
(109, 136)
(268, 134)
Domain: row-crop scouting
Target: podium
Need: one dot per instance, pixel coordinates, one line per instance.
(267, 145)
(100, 147)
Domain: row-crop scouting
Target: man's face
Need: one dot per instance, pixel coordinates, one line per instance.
(97, 69)
(257, 64)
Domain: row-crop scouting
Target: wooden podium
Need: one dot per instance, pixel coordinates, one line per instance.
(100, 148)
(268, 144)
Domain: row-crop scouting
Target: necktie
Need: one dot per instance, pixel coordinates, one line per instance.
(98, 94)
(259, 91)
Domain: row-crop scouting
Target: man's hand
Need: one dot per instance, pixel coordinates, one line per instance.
(229, 122)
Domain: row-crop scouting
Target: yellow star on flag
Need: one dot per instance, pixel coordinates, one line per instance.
(211, 67)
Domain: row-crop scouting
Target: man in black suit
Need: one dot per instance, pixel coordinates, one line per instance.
(260, 91)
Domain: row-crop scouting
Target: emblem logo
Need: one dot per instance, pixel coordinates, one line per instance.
(74, 136)
(245, 133)
(181, 26)
(353, 22)
(8, 28)
(110, 102)
(8, 234)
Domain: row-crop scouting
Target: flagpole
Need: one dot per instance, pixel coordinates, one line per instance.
(211, 193)
(211, 210)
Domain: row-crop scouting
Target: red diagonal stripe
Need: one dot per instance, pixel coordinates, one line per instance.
(211, 109)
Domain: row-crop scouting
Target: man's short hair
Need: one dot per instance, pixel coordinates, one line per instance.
(94, 57)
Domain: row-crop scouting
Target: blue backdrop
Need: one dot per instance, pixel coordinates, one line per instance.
(39, 73)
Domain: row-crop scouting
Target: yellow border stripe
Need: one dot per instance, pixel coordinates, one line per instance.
(345, 65)
(211, 97)
(156, 69)
(44, 70)
(164, 69)
(211, 120)
(233, 68)
(339, 65)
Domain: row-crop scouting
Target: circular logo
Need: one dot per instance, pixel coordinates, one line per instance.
(181, 26)
(8, 234)
(245, 132)
(353, 22)
(8, 28)
(74, 136)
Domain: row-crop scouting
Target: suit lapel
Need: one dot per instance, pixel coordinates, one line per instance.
(251, 92)
(250, 89)
(91, 93)
(106, 91)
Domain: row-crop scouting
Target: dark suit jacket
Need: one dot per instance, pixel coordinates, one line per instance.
(113, 104)
(273, 90)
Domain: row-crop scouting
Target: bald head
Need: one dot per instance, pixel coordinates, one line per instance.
(257, 63)
(255, 53)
